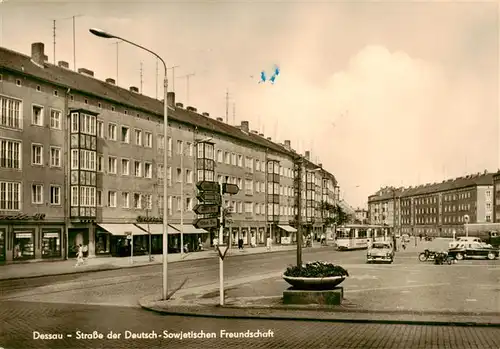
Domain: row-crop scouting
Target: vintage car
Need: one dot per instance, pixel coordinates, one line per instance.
(465, 240)
(473, 250)
(380, 252)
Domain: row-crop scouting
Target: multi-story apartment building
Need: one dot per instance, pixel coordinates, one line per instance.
(435, 209)
(81, 162)
(361, 215)
(496, 197)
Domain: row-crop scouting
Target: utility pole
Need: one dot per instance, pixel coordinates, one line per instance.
(227, 105)
(74, 43)
(173, 76)
(156, 79)
(298, 197)
(234, 113)
(117, 54)
(187, 76)
(141, 80)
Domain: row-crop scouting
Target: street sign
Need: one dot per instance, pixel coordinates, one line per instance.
(208, 186)
(204, 223)
(209, 196)
(230, 188)
(206, 209)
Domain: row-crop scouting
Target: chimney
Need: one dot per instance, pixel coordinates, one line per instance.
(287, 144)
(261, 134)
(220, 119)
(307, 154)
(269, 138)
(134, 89)
(179, 105)
(45, 58)
(254, 131)
(85, 71)
(171, 98)
(37, 54)
(192, 109)
(111, 81)
(245, 126)
(320, 165)
(63, 64)
(205, 114)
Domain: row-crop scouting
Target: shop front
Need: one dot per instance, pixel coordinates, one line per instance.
(155, 232)
(124, 239)
(261, 236)
(3, 233)
(287, 234)
(191, 236)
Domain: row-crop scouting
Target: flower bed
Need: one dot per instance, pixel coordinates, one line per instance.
(315, 276)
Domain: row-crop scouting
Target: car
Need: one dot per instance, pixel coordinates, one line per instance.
(380, 252)
(465, 240)
(473, 250)
(406, 238)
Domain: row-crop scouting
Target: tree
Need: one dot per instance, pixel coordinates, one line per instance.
(340, 217)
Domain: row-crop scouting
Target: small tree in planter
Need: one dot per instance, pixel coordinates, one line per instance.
(315, 276)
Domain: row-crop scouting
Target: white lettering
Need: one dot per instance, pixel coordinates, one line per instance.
(46, 336)
(188, 335)
(93, 335)
(246, 334)
(140, 335)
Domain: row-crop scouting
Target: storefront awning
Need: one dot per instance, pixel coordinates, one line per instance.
(288, 228)
(189, 229)
(157, 229)
(121, 229)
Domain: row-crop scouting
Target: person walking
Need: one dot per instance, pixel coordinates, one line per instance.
(79, 256)
(269, 243)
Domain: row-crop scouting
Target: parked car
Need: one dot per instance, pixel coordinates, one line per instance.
(380, 252)
(465, 240)
(406, 238)
(473, 250)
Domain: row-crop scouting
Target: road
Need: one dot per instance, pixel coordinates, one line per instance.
(105, 301)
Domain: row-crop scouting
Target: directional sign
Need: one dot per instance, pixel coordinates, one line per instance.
(204, 223)
(230, 188)
(209, 196)
(206, 209)
(208, 186)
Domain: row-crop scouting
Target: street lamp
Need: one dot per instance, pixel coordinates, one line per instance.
(102, 34)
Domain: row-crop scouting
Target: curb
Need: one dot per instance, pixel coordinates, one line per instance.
(124, 266)
(214, 312)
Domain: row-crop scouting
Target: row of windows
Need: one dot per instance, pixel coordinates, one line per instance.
(11, 154)
(10, 195)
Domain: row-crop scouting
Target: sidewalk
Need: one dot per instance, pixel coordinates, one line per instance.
(49, 268)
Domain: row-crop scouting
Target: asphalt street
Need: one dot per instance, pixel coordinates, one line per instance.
(107, 301)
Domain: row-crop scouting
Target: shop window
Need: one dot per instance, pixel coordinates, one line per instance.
(103, 242)
(24, 245)
(51, 243)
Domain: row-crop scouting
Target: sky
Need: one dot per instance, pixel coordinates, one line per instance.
(381, 93)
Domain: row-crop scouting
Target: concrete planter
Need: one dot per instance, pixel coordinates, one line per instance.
(315, 284)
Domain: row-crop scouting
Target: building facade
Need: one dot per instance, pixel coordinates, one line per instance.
(81, 162)
(496, 197)
(436, 209)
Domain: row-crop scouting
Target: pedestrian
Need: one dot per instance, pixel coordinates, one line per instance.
(269, 243)
(215, 243)
(323, 239)
(240, 244)
(79, 256)
(200, 244)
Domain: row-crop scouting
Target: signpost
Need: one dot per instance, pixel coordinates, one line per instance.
(210, 194)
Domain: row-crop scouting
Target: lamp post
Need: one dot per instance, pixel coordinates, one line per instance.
(102, 34)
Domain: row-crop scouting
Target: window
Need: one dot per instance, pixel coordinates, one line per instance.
(18, 82)
(86, 101)
(37, 194)
(37, 115)
(88, 124)
(10, 113)
(55, 157)
(161, 142)
(99, 105)
(112, 108)
(248, 207)
(74, 196)
(189, 147)
(55, 195)
(189, 176)
(88, 160)
(178, 177)
(100, 128)
(137, 201)
(138, 137)
(488, 193)
(137, 168)
(125, 200)
(249, 164)
(248, 187)
(227, 158)
(38, 88)
(98, 198)
(10, 196)
(87, 196)
(112, 198)
(51, 243)
(234, 160)
(36, 154)
(148, 139)
(75, 122)
(219, 155)
(148, 201)
(55, 119)
(169, 174)
(125, 134)
(159, 171)
(112, 132)
(24, 242)
(179, 147)
(100, 163)
(169, 141)
(10, 154)
(125, 171)
(148, 170)
(240, 160)
(112, 165)
(257, 165)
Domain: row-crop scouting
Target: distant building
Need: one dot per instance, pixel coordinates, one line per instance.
(361, 215)
(496, 197)
(435, 209)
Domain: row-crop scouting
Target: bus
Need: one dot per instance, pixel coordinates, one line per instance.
(359, 236)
